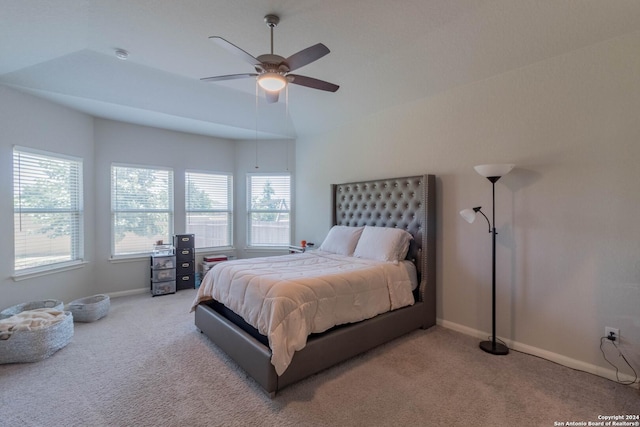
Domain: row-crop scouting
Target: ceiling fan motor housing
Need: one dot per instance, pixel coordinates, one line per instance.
(272, 63)
(273, 70)
(272, 20)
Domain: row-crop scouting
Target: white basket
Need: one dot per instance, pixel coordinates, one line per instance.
(19, 308)
(32, 346)
(89, 309)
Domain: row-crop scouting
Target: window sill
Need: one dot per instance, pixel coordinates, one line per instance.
(130, 258)
(44, 271)
(266, 248)
(215, 250)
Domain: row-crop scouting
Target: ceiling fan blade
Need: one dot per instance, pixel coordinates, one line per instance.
(312, 83)
(232, 48)
(307, 56)
(228, 77)
(271, 97)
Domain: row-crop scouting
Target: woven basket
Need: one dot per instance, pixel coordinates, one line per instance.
(89, 309)
(48, 303)
(32, 346)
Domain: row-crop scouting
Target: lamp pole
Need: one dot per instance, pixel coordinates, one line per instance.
(493, 346)
(493, 172)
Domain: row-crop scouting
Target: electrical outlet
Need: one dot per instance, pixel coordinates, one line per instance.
(615, 331)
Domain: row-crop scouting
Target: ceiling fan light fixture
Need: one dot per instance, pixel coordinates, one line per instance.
(271, 70)
(272, 82)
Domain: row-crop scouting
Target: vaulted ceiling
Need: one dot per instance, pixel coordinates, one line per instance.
(383, 53)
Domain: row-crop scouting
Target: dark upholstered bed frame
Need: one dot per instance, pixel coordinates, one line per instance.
(407, 203)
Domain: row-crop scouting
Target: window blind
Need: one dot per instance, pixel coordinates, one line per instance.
(269, 202)
(48, 210)
(141, 208)
(209, 208)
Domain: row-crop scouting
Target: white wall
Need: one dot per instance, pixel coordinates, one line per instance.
(569, 243)
(31, 122)
(118, 142)
(272, 156)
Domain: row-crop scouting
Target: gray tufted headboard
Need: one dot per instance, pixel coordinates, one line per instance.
(407, 203)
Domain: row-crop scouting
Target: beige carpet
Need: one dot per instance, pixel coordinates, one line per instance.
(146, 364)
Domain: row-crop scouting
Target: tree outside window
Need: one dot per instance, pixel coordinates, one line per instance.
(48, 210)
(142, 208)
(269, 210)
(209, 208)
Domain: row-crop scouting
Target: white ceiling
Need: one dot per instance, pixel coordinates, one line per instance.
(383, 53)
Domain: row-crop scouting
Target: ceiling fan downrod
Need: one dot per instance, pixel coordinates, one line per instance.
(273, 71)
(272, 21)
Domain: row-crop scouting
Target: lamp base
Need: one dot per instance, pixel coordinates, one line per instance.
(494, 348)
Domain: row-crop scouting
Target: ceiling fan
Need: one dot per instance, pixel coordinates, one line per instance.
(274, 71)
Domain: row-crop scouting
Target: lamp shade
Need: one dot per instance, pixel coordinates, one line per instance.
(494, 170)
(272, 82)
(469, 215)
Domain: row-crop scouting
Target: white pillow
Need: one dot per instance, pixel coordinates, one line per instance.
(341, 240)
(383, 244)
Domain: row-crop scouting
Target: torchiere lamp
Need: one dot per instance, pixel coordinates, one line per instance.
(493, 173)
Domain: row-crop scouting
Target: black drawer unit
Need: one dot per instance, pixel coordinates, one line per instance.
(184, 241)
(185, 267)
(185, 254)
(185, 261)
(187, 281)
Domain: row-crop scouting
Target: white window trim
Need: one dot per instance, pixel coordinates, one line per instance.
(139, 255)
(73, 264)
(230, 211)
(262, 248)
(60, 267)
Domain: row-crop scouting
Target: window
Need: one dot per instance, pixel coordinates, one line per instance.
(269, 202)
(209, 208)
(48, 210)
(141, 209)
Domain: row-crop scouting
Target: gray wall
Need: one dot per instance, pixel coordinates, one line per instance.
(31, 122)
(36, 123)
(117, 142)
(569, 242)
(272, 156)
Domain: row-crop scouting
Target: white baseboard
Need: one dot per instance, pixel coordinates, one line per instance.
(544, 354)
(129, 292)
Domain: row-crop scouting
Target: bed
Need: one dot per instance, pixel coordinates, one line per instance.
(406, 203)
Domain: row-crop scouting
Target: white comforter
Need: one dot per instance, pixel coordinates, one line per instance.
(291, 296)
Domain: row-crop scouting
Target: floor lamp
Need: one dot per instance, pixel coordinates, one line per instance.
(493, 173)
